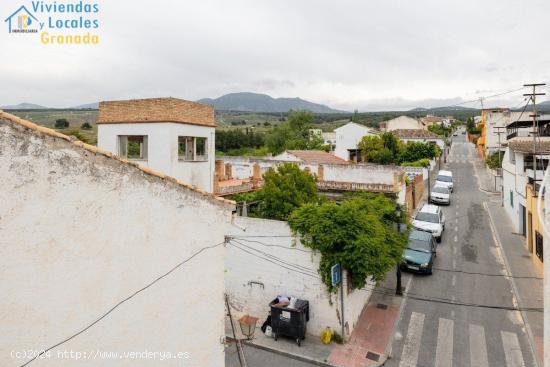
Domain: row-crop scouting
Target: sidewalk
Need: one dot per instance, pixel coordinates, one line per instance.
(529, 291)
(527, 283)
(311, 349)
(370, 341)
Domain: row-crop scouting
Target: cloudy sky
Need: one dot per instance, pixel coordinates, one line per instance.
(370, 55)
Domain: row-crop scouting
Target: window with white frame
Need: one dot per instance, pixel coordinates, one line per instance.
(191, 148)
(132, 146)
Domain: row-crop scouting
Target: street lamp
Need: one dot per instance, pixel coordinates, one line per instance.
(248, 325)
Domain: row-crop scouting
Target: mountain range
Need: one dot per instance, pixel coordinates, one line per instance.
(246, 102)
(256, 102)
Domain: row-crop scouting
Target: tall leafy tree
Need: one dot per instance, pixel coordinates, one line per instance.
(293, 134)
(285, 189)
(359, 233)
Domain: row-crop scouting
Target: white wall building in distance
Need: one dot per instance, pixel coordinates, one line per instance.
(348, 138)
(401, 122)
(82, 231)
(170, 135)
(419, 136)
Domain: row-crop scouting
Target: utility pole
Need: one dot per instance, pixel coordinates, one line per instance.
(499, 131)
(533, 97)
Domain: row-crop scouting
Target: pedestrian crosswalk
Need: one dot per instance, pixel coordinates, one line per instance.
(445, 343)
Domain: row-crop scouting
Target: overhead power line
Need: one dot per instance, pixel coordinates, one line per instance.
(104, 315)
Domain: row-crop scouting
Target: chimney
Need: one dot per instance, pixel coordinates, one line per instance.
(228, 171)
(220, 170)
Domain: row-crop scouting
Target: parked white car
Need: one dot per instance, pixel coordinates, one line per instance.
(430, 218)
(445, 178)
(440, 195)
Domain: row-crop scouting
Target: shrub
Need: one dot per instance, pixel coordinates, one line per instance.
(61, 123)
(86, 126)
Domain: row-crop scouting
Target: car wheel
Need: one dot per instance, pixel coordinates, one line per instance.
(429, 272)
(438, 239)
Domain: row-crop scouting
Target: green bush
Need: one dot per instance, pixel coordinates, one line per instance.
(424, 162)
(61, 123)
(86, 126)
(493, 161)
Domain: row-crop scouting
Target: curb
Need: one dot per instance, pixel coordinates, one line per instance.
(283, 353)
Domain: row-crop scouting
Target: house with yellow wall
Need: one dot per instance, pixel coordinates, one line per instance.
(535, 233)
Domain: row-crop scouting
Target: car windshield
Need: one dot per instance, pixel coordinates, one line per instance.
(427, 217)
(440, 190)
(418, 245)
(444, 178)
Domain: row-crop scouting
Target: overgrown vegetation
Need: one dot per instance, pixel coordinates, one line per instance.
(493, 161)
(293, 134)
(388, 149)
(359, 233)
(286, 188)
(239, 142)
(440, 130)
(61, 124)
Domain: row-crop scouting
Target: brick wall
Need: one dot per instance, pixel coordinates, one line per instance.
(156, 110)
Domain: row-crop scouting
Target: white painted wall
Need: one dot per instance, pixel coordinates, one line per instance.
(546, 289)
(512, 184)
(80, 232)
(163, 149)
(348, 137)
(403, 122)
(252, 282)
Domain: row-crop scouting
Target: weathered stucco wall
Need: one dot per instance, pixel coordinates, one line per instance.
(80, 232)
(163, 149)
(274, 263)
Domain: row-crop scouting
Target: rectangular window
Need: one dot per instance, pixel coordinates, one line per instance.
(511, 199)
(192, 148)
(132, 146)
(539, 246)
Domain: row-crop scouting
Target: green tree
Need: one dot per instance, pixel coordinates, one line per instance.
(370, 147)
(285, 189)
(86, 126)
(383, 149)
(414, 151)
(355, 116)
(359, 233)
(61, 123)
(293, 134)
(494, 160)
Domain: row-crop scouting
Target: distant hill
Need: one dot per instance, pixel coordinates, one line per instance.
(255, 102)
(23, 106)
(93, 106)
(444, 108)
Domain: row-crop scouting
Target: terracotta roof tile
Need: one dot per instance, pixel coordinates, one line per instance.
(525, 145)
(317, 156)
(156, 110)
(92, 148)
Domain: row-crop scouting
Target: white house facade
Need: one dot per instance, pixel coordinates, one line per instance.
(86, 235)
(170, 135)
(419, 136)
(348, 138)
(401, 122)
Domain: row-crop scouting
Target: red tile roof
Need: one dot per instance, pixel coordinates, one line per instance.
(317, 156)
(525, 145)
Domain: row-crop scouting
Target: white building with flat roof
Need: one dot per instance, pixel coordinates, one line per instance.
(170, 135)
(348, 138)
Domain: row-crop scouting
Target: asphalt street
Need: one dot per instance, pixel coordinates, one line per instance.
(457, 316)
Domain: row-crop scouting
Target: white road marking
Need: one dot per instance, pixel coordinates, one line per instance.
(456, 238)
(454, 263)
(444, 349)
(411, 348)
(512, 351)
(454, 250)
(478, 346)
(453, 280)
(456, 229)
(457, 212)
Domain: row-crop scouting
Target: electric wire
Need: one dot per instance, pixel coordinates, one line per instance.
(411, 295)
(104, 315)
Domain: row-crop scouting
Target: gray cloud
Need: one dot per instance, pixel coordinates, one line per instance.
(349, 54)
